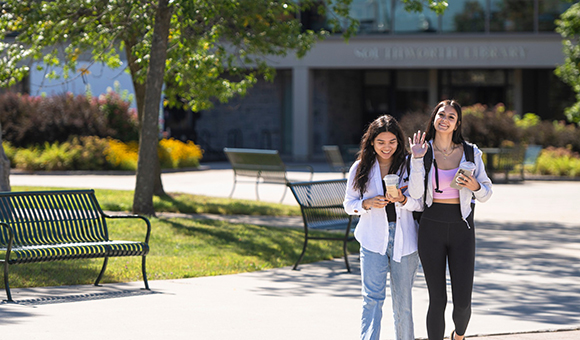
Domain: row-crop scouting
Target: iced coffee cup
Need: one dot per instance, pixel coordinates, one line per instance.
(392, 184)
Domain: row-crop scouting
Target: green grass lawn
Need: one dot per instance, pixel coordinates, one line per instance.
(183, 247)
(122, 200)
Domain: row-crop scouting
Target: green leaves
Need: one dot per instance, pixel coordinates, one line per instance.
(437, 6)
(569, 27)
(217, 48)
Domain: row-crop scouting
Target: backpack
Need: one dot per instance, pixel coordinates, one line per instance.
(428, 161)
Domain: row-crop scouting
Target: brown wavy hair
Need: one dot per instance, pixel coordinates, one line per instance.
(367, 155)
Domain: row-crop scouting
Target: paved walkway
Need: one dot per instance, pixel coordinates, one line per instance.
(527, 283)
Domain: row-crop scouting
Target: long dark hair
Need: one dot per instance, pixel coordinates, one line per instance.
(457, 137)
(368, 156)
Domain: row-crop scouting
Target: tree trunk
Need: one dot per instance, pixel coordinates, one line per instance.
(140, 100)
(148, 139)
(4, 167)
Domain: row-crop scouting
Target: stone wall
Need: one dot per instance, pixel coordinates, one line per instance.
(253, 121)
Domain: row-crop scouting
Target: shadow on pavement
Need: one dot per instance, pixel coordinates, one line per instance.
(528, 270)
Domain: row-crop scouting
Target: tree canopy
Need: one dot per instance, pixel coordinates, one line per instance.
(569, 27)
(213, 49)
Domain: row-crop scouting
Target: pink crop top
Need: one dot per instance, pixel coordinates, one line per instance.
(445, 178)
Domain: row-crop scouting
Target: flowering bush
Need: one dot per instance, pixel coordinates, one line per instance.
(181, 155)
(122, 156)
(28, 120)
(172, 153)
(94, 153)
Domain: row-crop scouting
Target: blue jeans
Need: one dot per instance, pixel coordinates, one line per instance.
(374, 269)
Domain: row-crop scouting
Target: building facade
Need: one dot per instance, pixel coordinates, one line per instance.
(479, 51)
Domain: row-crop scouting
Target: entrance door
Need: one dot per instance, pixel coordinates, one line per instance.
(469, 87)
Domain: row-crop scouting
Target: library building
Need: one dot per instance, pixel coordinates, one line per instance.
(479, 51)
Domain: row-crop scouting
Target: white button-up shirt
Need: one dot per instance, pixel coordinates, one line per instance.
(372, 230)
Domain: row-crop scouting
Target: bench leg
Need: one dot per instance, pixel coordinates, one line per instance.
(257, 195)
(6, 285)
(284, 194)
(144, 270)
(301, 255)
(234, 188)
(344, 249)
(102, 271)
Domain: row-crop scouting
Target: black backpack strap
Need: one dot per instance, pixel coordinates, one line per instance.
(469, 152)
(427, 161)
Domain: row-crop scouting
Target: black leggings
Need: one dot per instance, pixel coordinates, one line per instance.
(445, 237)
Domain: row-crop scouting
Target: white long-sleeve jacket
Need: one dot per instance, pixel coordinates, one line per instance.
(417, 183)
(372, 230)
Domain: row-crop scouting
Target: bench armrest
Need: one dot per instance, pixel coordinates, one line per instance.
(10, 240)
(304, 166)
(134, 216)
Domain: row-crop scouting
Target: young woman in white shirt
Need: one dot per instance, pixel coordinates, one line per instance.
(447, 230)
(386, 230)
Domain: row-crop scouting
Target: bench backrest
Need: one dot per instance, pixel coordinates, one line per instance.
(509, 157)
(321, 203)
(51, 217)
(257, 163)
(532, 154)
(333, 156)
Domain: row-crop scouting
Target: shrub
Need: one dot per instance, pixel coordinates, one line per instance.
(94, 153)
(489, 126)
(89, 153)
(27, 159)
(122, 156)
(10, 151)
(558, 162)
(172, 153)
(181, 155)
(413, 121)
(56, 156)
(119, 116)
(30, 120)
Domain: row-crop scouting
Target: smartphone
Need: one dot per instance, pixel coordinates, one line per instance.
(460, 172)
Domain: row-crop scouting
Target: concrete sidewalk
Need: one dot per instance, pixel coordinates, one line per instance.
(526, 286)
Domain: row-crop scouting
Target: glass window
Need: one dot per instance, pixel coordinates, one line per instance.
(413, 80)
(412, 92)
(478, 77)
(411, 22)
(512, 16)
(464, 16)
(373, 15)
(488, 87)
(377, 78)
(548, 12)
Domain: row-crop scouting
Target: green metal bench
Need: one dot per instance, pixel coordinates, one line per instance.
(322, 209)
(46, 226)
(265, 166)
(517, 158)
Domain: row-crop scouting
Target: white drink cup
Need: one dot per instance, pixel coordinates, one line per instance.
(392, 184)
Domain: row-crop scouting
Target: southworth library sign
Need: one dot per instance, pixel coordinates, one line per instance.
(441, 53)
(436, 51)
